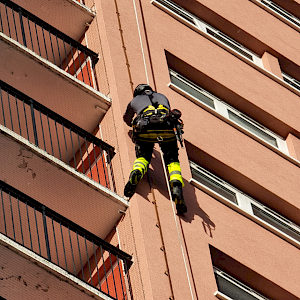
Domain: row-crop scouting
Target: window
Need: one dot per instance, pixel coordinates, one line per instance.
(291, 81)
(200, 26)
(191, 89)
(280, 12)
(243, 203)
(252, 126)
(222, 39)
(230, 288)
(220, 108)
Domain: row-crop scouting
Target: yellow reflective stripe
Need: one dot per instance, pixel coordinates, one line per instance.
(174, 166)
(160, 106)
(175, 172)
(140, 164)
(150, 107)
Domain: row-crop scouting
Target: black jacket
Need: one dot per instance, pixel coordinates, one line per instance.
(140, 102)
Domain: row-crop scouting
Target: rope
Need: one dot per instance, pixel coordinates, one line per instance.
(141, 43)
(166, 177)
(177, 227)
(162, 239)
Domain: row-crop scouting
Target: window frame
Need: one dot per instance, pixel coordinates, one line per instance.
(281, 16)
(221, 109)
(238, 284)
(200, 27)
(244, 204)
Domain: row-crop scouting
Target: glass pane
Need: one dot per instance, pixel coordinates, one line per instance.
(229, 42)
(214, 185)
(260, 133)
(190, 90)
(276, 222)
(231, 290)
(177, 9)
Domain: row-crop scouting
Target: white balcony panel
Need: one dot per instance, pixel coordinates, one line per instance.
(26, 275)
(68, 16)
(57, 185)
(50, 85)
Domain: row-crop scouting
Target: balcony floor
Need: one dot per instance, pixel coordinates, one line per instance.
(50, 85)
(68, 16)
(25, 275)
(58, 186)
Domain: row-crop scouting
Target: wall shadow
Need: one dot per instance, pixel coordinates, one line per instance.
(158, 181)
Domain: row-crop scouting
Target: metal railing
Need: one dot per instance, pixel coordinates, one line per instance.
(64, 243)
(48, 42)
(56, 135)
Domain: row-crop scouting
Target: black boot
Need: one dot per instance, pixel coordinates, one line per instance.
(131, 185)
(177, 196)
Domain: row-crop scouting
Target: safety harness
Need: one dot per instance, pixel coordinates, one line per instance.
(157, 124)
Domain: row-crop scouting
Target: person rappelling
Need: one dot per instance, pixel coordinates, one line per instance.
(155, 122)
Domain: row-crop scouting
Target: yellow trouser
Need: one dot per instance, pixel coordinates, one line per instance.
(140, 164)
(174, 169)
(175, 172)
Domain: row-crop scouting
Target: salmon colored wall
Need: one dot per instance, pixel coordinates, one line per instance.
(265, 31)
(207, 221)
(271, 64)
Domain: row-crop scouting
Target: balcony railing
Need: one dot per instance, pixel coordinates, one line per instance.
(56, 135)
(64, 243)
(48, 42)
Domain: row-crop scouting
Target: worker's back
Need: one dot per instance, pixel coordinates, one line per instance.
(140, 102)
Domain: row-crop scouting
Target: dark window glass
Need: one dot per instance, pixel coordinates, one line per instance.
(231, 290)
(193, 92)
(276, 222)
(214, 185)
(244, 123)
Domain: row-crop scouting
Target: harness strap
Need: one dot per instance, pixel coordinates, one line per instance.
(150, 110)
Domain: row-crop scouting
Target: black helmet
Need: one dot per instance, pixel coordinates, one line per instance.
(141, 88)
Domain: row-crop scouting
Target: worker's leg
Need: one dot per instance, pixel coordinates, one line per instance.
(143, 153)
(170, 151)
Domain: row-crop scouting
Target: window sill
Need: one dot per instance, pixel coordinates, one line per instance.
(221, 296)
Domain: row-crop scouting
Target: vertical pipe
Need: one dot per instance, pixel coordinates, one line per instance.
(72, 251)
(29, 29)
(2, 107)
(26, 123)
(80, 256)
(33, 123)
(105, 274)
(42, 127)
(63, 244)
(20, 219)
(22, 26)
(12, 217)
(57, 136)
(54, 236)
(18, 116)
(46, 233)
(88, 259)
(37, 231)
(3, 212)
(96, 262)
(28, 221)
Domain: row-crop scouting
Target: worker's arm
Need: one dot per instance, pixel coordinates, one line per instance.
(129, 114)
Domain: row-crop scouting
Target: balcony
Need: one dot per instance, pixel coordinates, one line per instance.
(44, 154)
(41, 239)
(48, 65)
(69, 16)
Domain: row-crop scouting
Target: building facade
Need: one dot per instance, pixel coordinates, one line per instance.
(68, 71)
